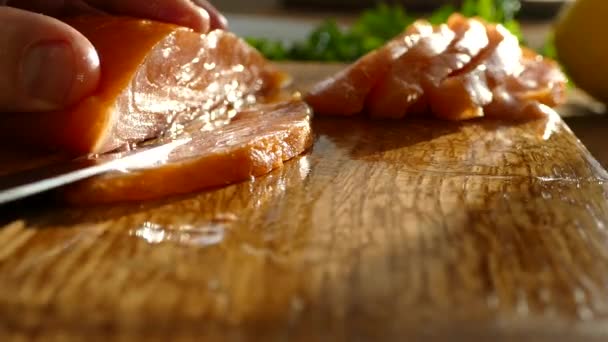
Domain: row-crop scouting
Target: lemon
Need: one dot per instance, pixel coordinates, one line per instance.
(581, 43)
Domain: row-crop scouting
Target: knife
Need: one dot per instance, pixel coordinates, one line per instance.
(31, 182)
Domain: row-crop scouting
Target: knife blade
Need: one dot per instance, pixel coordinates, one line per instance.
(31, 182)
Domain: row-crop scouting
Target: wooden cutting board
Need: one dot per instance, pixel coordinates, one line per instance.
(384, 231)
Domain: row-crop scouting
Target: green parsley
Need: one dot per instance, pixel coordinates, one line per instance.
(331, 43)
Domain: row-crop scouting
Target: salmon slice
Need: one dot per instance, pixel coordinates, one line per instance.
(502, 81)
(402, 87)
(465, 93)
(256, 141)
(345, 93)
(529, 95)
(425, 66)
(460, 98)
(154, 78)
(541, 80)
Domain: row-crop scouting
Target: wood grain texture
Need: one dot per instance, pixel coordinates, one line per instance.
(385, 230)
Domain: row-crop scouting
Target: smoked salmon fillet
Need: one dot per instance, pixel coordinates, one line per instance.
(256, 141)
(464, 69)
(154, 78)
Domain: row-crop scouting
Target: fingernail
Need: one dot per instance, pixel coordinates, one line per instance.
(217, 20)
(220, 22)
(205, 20)
(47, 73)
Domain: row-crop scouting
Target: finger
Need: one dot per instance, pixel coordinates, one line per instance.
(217, 20)
(45, 64)
(181, 12)
(199, 15)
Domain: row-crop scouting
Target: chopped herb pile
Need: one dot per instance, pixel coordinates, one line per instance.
(331, 43)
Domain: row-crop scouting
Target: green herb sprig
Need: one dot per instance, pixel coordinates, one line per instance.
(331, 43)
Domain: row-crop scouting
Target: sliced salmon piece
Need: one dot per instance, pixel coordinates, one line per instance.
(464, 94)
(256, 141)
(461, 97)
(519, 100)
(402, 87)
(527, 94)
(154, 78)
(425, 66)
(540, 80)
(345, 92)
(506, 60)
(501, 82)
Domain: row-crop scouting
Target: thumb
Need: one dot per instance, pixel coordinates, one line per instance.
(45, 64)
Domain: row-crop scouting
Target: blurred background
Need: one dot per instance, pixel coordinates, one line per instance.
(289, 21)
(293, 20)
(530, 8)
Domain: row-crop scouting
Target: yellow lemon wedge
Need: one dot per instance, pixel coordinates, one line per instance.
(581, 43)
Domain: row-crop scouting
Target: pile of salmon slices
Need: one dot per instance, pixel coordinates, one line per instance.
(463, 69)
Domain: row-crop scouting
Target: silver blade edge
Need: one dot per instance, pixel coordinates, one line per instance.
(35, 181)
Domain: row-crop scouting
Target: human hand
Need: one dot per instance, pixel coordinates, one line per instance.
(47, 65)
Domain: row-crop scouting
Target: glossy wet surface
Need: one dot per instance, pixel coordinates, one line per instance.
(383, 230)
